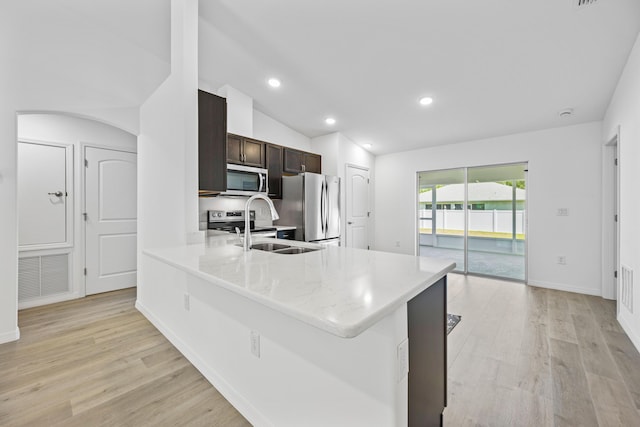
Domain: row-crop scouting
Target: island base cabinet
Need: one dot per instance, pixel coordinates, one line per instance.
(427, 322)
(303, 376)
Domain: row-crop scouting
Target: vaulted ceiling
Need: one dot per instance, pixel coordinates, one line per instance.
(72, 55)
(494, 67)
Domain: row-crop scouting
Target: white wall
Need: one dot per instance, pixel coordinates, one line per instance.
(8, 217)
(624, 111)
(76, 132)
(52, 69)
(328, 146)
(168, 144)
(337, 152)
(268, 129)
(564, 171)
(239, 111)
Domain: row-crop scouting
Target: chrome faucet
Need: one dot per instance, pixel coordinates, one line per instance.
(247, 222)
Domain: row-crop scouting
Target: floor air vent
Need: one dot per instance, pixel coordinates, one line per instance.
(626, 287)
(40, 276)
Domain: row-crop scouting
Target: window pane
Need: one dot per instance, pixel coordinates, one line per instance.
(496, 221)
(441, 215)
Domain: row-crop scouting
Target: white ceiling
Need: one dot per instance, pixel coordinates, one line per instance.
(493, 67)
(84, 55)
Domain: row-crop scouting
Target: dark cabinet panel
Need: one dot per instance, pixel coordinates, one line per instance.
(234, 149)
(312, 163)
(254, 152)
(427, 326)
(245, 151)
(212, 143)
(287, 234)
(296, 161)
(293, 160)
(274, 166)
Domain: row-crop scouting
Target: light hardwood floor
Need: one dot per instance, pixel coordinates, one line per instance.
(526, 356)
(521, 356)
(98, 362)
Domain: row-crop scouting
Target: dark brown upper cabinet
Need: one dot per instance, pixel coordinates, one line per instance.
(296, 161)
(212, 144)
(274, 166)
(313, 163)
(245, 151)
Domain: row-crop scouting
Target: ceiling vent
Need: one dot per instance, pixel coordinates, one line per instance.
(582, 4)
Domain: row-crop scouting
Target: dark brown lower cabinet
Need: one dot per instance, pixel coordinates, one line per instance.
(427, 327)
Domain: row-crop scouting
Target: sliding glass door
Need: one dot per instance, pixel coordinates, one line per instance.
(441, 215)
(475, 217)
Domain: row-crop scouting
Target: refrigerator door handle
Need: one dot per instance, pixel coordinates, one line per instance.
(322, 207)
(328, 208)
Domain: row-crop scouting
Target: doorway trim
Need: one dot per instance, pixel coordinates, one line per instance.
(526, 164)
(610, 208)
(82, 244)
(69, 197)
(346, 202)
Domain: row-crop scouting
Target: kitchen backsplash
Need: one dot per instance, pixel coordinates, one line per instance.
(263, 215)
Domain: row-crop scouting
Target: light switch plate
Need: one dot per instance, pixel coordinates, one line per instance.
(403, 359)
(255, 344)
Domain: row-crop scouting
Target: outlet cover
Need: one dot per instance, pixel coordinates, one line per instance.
(403, 359)
(255, 344)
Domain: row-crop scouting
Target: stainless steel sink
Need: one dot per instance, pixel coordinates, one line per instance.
(269, 247)
(295, 250)
(278, 248)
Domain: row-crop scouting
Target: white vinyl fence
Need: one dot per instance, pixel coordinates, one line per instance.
(496, 221)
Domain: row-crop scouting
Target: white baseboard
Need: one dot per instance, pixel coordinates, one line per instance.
(10, 336)
(635, 339)
(236, 399)
(566, 288)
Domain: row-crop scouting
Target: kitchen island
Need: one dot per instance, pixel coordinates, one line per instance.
(316, 338)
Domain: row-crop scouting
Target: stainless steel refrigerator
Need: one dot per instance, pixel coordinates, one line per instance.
(311, 202)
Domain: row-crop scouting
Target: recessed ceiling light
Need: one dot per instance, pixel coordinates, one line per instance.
(330, 121)
(367, 145)
(273, 82)
(426, 100)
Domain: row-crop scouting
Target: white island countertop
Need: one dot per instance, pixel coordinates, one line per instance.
(340, 290)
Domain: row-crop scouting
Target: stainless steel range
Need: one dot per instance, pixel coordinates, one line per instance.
(229, 220)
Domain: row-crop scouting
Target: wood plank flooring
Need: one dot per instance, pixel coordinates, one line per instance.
(521, 356)
(98, 362)
(526, 356)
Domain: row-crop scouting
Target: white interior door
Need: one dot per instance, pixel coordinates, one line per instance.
(357, 201)
(110, 225)
(42, 195)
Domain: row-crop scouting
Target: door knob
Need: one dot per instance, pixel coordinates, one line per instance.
(57, 194)
(349, 222)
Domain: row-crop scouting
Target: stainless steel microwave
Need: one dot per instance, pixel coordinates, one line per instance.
(246, 180)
